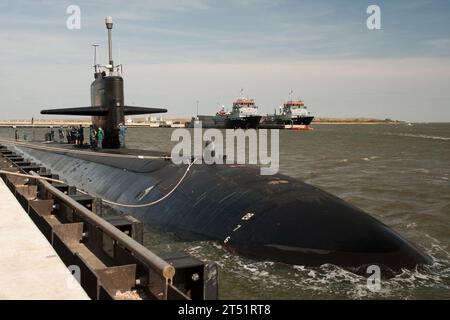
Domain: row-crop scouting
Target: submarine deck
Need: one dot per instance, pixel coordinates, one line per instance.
(287, 215)
(29, 266)
(119, 151)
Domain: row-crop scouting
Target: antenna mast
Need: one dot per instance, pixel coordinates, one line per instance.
(109, 25)
(96, 65)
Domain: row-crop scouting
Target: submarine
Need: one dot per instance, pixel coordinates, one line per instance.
(275, 218)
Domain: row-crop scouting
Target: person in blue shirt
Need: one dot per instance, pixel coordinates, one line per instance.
(122, 134)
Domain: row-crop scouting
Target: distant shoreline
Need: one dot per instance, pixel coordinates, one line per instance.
(329, 120)
(354, 122)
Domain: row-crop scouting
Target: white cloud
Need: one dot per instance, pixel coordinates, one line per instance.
(440, 43)
(406, 89)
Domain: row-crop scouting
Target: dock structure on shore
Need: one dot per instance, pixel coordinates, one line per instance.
(29, 266)
(159, 122)
(106, 252)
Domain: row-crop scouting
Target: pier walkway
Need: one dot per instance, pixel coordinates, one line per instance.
(29, 266)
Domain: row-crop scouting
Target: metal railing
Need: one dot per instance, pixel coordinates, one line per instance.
(145, 255)
(110, 260)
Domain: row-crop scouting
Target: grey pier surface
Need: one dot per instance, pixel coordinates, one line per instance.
(29, 266)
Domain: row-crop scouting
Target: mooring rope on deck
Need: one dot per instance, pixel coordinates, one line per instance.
(17, 174)
(156, 201)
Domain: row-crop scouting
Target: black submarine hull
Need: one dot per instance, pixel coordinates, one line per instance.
(264, 217)
(273, 218)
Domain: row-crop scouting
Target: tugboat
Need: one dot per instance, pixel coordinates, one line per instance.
(221, 118)
(293, 115)
(244, 114)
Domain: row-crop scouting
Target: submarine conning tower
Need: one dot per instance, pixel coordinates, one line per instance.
(107, 91)
(108, 109)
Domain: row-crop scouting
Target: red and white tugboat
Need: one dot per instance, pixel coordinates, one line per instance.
(244, 114)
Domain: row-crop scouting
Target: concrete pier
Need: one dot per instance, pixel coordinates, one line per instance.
(29, 266)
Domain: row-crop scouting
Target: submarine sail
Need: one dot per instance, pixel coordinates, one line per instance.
(107, 109)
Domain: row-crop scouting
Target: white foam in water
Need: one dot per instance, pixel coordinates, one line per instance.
(328, 281)
(243, 278)
(312, 274)
(411, 225)
(423, 136)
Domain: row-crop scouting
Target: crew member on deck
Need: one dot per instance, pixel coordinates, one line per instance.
(92, 137)
(75, 135)
(81, 135)
(69, 135)
(61, 134)
(100, 136)
(122, 134)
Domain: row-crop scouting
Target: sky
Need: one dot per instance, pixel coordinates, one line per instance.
(175, 52)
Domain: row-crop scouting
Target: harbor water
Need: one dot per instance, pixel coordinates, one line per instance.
(397, 173)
